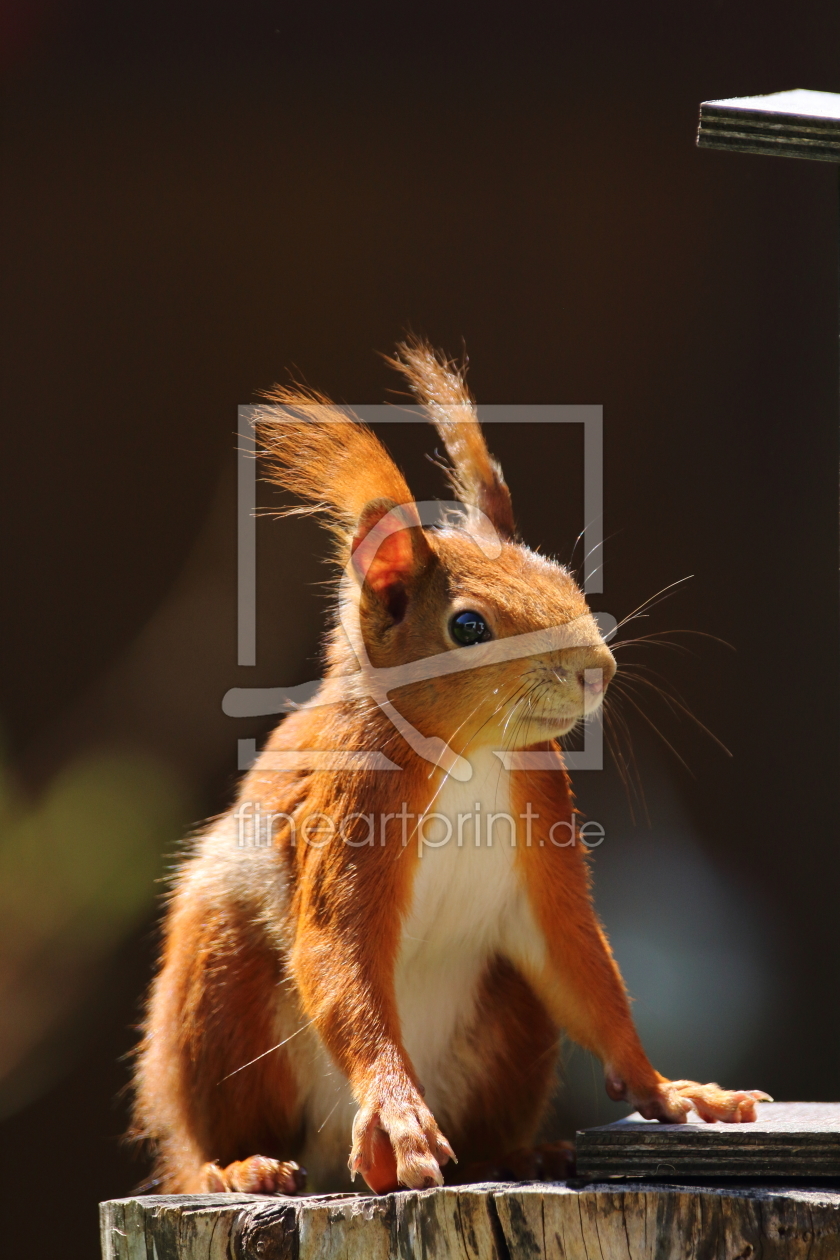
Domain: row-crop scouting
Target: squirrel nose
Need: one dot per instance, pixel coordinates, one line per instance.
(593, 669)
(592, 681)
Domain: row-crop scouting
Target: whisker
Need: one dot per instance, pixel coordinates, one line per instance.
(574, 548)
(649, 603)
(682, 706)
(627, 772)
(655, 728)
(271, 1050)
(593, 548)
(662, 634)
(331, 1112)
(527, 691)
(621, 725)
(460, 727)
(639, 672)
(505, 700)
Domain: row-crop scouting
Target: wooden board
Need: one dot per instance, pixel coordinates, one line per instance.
(797, 123)
(788, 1141)
(521, 1222)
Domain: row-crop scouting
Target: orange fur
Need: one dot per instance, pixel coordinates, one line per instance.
(581, 983)
(316, 450)
(475, 476)
(304, 971)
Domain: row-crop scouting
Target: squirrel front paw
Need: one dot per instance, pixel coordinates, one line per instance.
(398, 1144)
(671, 1101)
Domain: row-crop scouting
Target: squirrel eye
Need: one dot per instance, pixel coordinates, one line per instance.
(469, 627)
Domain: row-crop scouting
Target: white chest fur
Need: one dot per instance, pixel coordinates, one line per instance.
(467, 905)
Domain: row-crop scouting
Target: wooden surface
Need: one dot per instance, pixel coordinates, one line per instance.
(788, 1141)
(531, 1222)
(797, 123)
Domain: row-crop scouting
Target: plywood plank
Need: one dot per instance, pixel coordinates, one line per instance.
(797, 123)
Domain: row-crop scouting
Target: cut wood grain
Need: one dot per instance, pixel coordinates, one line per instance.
(484, 1222)
(788, 1141)
(797, 123)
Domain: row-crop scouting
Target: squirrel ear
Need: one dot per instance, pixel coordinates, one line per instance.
(439, 386)
(388, 552)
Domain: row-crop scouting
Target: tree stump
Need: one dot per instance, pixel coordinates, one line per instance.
(483, 1222)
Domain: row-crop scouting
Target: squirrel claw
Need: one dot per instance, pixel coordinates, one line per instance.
(399, 1146)
(256, 1175)
(671, 1101)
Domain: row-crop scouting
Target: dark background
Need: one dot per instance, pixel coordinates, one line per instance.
(200, 197)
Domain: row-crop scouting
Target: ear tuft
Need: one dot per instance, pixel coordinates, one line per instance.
(328, 458)
(439, 386)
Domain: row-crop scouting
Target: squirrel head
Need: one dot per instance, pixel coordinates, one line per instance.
(529, 660)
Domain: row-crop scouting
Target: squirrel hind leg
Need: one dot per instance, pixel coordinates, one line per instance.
(256, 1175)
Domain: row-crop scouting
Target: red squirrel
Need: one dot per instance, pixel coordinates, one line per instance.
(375, 979)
